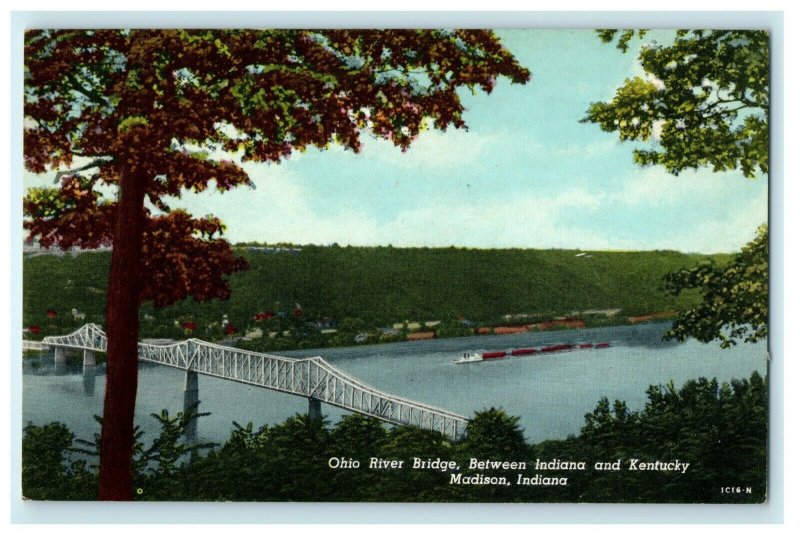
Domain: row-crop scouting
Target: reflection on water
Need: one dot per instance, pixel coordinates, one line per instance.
(550, 393)
(89, 380)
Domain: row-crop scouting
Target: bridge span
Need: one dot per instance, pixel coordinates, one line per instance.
(313, 378)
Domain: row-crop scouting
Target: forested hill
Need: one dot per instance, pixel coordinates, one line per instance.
(382, 285)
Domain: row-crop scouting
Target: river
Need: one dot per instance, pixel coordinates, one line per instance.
(550, 393)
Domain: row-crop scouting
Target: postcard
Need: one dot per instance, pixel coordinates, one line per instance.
(396, 265)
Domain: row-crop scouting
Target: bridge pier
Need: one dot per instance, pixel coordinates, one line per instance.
(60, 355)
(191, 400)
(89, 380)
(314, 409)
(89, 358)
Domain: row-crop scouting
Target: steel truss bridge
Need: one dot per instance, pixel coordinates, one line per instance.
(313, 378)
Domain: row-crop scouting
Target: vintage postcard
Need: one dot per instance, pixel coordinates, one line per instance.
(396, 265)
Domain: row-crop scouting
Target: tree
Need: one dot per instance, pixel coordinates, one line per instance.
(358, 437)
(703, 102)
(734, 297)
(141, 112)
(48, 472)
(719, 429)
(493, 434)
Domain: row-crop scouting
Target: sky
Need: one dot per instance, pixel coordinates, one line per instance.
(525, 174)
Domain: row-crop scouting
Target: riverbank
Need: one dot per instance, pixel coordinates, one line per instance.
(304, 339)
(299, 339)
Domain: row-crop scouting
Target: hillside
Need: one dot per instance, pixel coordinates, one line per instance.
(376, 286)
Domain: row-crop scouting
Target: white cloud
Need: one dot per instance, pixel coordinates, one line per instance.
(656, 81)
(527, 221)
(434, 149)
(656, 186)
(650, 210)
(697, 211)
(595, 148)
(279, 210)
(714, 235)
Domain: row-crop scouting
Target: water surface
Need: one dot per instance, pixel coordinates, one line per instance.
(550, 393)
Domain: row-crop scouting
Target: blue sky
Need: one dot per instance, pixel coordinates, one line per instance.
(526, 174)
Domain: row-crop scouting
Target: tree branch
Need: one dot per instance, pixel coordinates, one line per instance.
(91, 94)
(741, 97)
(713, 109)
(99, 162)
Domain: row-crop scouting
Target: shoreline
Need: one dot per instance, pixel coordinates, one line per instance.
(376, 341)
(495, 341)
(491, 339)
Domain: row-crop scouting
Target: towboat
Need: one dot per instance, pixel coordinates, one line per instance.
(479, 356)
(470, 357)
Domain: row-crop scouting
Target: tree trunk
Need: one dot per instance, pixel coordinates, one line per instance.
(122, 329)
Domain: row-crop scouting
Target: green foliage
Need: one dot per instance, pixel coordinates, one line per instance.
(368, 287)
(625, 37)
(169, 452)
(721, 431)
(358, 437)
(704, 100)
(155, 467)
(734, 296)
(452, 329)
(409, 485)
(494, 434)
(48, 472)
(297, 450)
(266, 464)
(129, 123)
(244, 455)
(48, 201)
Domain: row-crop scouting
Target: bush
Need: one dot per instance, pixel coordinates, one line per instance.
(721, 431)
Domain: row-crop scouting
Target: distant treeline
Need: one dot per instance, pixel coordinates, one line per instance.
(369, 287)
(717, 432)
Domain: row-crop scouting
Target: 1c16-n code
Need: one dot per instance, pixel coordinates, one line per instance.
(736, 490)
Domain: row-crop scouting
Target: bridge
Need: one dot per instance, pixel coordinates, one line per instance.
(313, 378)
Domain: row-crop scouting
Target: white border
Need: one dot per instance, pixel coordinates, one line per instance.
(30, 512)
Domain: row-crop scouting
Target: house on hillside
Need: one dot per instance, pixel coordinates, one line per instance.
(516, 329)
(389, 331)
(327, 323)
(360, 338)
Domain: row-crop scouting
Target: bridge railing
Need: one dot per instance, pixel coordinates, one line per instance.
(90, 336)
(333, 386)
(34, 345)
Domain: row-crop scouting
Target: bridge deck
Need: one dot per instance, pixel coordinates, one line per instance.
(309, 377)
